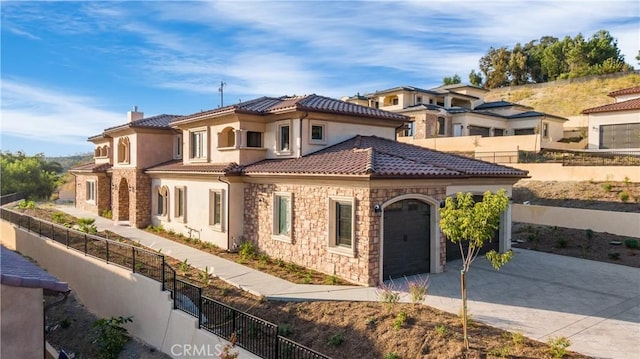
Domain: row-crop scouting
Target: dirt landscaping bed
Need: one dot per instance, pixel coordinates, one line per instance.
(340, 329)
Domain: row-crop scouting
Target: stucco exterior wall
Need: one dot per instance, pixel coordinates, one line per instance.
(107, 290)
(198, 208)
(608, 118)
(620, 223)
(477, 143)
(337, 132)
(152, 148)
(22, 323)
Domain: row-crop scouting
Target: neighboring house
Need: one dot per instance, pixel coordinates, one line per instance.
(460, 110)
(617, 125)
(310, 179)
(23, 286)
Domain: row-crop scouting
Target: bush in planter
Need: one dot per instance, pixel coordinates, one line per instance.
(631, 243)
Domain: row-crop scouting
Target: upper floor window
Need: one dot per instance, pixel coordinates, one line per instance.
(254, 139)
(545, 130)
(419, 99)
(198, 144)
(391, 100)
(124, 150)
(282, 216)
(90, 191)
(441, 126)
(177, 147)
(102, 151)
(318, 132)
(284, 138)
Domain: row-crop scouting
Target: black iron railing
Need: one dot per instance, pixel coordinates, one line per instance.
(11, 197)
(580, 158)
(249, 332)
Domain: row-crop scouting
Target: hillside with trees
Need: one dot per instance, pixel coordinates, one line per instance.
(548, 59)
(33, 176)
(566, 97)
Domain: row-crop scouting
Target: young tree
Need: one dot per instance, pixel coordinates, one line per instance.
(475, 78)
(471, 224)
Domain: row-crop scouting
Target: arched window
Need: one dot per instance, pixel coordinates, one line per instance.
(97, 152)
(441, 126)
(123, 150)
(227, 138)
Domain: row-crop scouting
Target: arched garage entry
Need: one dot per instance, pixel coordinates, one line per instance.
(409, 244)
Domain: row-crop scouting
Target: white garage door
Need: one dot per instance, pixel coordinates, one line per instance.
(626, 135)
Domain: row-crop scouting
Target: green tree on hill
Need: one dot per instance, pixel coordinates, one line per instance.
(31, 175)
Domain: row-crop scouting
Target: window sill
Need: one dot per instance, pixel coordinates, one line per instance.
(216, 228)
(317, 142)
(254, 148)
(92, 202)
(223, 149)
(162, 217)
(180, 219)
(197, 160)
(281, 238)
(343, 251)
(284, 153)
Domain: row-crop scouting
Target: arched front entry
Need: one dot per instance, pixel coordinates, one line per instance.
(123, 200)
(409, 245)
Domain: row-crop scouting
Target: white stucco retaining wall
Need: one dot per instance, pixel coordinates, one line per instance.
(620, 223)
(108, 290)
(557, 172)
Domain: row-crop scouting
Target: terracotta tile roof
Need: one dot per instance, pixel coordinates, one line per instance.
(91, 167)
(627, 91)
(159, 121)
(17, 271)
(379, 157)
(177, 166)
(618, 106)
(315, 103)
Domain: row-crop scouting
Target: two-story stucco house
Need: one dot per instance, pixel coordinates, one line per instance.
(310, 179)
(616, 125)
(460, 110)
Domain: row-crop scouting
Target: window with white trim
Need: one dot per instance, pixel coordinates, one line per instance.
(197, 142)
(282, 216)
(342, 224)
(216, 208)
(317, 132)
(181, 203)
(284, 138)
(91, 191)
(162, 201)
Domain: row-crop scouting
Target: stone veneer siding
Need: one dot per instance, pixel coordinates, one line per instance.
(139, 196)
(103, 192)
(309, 232)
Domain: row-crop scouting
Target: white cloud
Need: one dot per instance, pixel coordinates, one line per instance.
(48, 114)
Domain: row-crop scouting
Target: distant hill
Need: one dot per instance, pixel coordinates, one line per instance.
(69, 161)
(566, 97)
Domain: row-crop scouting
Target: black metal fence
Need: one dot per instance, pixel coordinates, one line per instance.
(249, 332)
(11, 197)
(567, 158)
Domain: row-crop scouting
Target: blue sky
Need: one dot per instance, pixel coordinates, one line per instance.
(71, 69)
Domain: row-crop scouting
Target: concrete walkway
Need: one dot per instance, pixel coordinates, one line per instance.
(596, 305)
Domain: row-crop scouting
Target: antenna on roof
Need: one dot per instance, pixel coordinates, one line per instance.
(221, 90)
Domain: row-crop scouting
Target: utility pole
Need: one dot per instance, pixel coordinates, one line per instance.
(221, 90)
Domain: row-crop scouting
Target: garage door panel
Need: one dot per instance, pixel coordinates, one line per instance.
(620, 136)
(406, 239)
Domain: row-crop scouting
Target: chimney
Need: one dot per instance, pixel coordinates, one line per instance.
(134, 115)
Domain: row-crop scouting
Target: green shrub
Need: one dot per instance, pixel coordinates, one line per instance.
(500, 352)
(558, 346)
(388, 295)
(399, 321)
(183, 267)
(517, 338)
(336, 340)
(247, 250)
(632, 243)
(391, 356)
(26, 204)
(58, 217)
(111, 336)
(418, 289)
(624, 196)
(607, 187)
(331, 280)
(107, 214)
(441, 330)
(562, 243)
(87, 225)
(205, 277)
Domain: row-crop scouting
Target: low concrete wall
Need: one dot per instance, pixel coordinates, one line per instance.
(478, 143)
(557, 172)
(108, 290)
(22, 322)
(620, 223)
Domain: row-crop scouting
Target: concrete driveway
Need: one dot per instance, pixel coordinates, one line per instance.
(596, 305)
